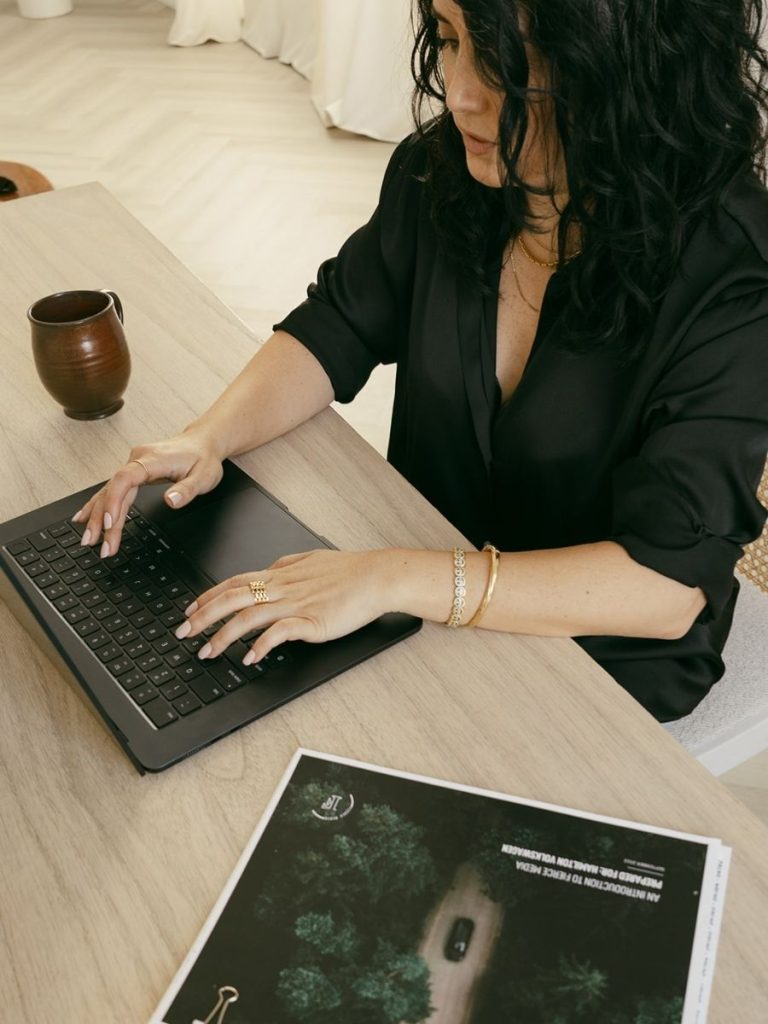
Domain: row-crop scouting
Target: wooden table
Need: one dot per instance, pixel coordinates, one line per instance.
(105, 876)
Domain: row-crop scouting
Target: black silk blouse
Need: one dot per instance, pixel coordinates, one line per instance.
(662, 456)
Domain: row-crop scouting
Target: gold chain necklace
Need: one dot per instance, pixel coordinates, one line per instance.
(539, 263)
(535, 309)
(533, 259)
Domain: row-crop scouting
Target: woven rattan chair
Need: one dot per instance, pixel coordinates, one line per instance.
(754, 564)
(731, 723)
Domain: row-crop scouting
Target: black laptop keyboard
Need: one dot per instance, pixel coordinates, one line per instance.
(126, 609)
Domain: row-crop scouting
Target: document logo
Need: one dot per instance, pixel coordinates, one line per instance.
(334, 807)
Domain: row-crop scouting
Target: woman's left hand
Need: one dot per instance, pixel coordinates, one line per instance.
(313, 596)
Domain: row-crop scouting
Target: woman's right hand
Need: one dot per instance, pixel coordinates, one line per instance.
(190, 460)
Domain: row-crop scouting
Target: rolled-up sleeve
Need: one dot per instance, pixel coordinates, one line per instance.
(686, 504)
(356, 314)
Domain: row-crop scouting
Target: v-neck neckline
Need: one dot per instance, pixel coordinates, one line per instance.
(489, 329)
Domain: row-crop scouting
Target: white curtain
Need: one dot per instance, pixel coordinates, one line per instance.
(356, 53)
(361, 79)
(197, 21)
(286, 29)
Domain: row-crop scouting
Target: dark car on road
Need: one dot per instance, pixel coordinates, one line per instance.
(458, 938)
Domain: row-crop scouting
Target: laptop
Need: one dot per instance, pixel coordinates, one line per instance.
(111, 623)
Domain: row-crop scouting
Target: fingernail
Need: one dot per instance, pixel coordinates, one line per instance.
(107, 521)
(191, 609)
(184, 629)
(249, 658)
(76, 516)
(104, 553)
(85, 540)
(204, 652)
(174, 497)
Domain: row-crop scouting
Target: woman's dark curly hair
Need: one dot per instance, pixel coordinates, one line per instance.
(657, 105)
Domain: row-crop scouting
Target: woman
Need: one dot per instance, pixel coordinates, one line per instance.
(569, 267)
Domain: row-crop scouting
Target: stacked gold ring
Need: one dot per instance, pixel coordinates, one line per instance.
(140, 463)
(258, 589)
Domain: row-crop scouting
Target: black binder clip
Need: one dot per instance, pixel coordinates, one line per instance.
(227, 995)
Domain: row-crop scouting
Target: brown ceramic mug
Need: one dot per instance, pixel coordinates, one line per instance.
(80, 351)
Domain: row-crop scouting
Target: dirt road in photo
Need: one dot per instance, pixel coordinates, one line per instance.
(454, 982)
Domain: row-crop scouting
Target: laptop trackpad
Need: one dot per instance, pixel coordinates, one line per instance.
(236, 528)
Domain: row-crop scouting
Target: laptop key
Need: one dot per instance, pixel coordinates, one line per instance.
(108, 653)
(53, 554)
(91, 600)
(165, 644)
(142, 618)
(160, 712)
(96, 640)
(125, 636)
(190, 670)
(120, 594)
(148, 662)
(66, 602)
(57, 591)
(59, 530)
(35, 568)
(18, 547)
(27, 556)
(226, 674)
(161, 675)
(176, 658)
(108, 583)
(143, 694)
(187, 704)
(68, 540)
(87, 626)
(115, 622)
(89, 559)
(153, 631)
(41, 541)
(62, 564)
(98, 572)
(73, 615)
(138, 647)
(206, 688)
(173, 690)
(46, 579)
(131, 679)
(120, 666)
(103, 611)
(83, 587)
(73, 575)
(172, 618)
(277, 658)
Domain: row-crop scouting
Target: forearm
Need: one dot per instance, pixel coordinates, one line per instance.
(282, 386)
(591, 589)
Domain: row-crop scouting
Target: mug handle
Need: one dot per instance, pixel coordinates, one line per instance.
(117, 302)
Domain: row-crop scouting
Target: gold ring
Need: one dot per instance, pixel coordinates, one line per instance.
(140, 463)
(258, 589)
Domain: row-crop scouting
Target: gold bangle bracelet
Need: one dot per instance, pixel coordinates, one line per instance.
(489, 587)
(459, 589)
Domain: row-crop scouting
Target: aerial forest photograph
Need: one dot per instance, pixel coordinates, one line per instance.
(374, 898)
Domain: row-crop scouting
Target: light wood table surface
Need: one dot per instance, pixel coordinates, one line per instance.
(106, 876)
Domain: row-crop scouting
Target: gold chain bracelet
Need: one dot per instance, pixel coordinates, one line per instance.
(459, 589)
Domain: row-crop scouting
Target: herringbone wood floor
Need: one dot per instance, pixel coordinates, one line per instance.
(219, 153)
